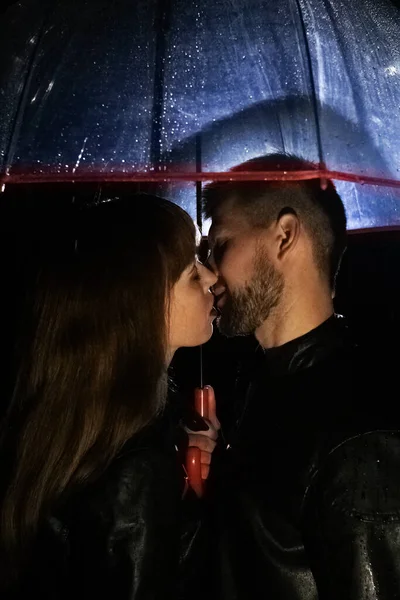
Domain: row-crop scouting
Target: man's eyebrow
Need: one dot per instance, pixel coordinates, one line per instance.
(216, 236)
(220, 239)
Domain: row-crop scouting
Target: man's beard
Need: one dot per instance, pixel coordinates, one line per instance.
(245, 310)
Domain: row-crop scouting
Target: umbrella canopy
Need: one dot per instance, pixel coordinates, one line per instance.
(178, 92)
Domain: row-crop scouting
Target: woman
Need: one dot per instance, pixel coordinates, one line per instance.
(91, 501)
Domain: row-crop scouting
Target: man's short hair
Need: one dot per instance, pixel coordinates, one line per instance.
(319, 208)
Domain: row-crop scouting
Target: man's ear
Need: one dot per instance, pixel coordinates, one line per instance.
(288, 231)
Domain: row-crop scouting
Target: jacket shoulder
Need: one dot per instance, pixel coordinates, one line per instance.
(145, 470)
(359, 477)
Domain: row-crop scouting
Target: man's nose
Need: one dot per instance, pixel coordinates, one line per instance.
(211, 264)
(218, 289)
(219, 286)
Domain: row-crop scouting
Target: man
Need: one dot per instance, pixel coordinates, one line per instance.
(304, 496)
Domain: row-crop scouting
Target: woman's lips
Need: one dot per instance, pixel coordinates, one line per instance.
(211, 311)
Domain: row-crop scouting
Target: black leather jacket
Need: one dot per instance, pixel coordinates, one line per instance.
(119, 537)
(304, 502)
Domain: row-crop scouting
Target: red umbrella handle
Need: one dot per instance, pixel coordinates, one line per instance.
(201, 402)
(193, 456)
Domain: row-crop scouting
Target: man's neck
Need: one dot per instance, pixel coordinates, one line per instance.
(294, 319)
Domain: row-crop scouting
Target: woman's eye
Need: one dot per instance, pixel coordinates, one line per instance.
(196, 275)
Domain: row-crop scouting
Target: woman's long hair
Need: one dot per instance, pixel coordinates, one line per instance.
(91, 352)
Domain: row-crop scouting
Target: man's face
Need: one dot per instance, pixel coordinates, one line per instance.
(249, 285)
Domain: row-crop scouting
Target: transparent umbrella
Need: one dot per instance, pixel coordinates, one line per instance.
(177, 92)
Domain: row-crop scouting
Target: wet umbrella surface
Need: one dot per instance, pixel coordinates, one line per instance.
(171, 91)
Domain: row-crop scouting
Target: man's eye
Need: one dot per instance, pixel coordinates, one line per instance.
(218, 251)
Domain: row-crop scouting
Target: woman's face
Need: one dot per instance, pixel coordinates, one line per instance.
(191, 311)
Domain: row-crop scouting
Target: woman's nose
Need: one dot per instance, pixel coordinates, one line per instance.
(209, 277)
(212, 278)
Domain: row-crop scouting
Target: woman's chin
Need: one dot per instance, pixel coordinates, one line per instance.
(201, 338)
(209, 333)
(206, 336)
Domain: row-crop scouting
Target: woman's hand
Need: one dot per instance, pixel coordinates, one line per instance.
(203, 433)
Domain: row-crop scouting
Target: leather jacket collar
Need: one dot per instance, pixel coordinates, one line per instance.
(307, 350)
